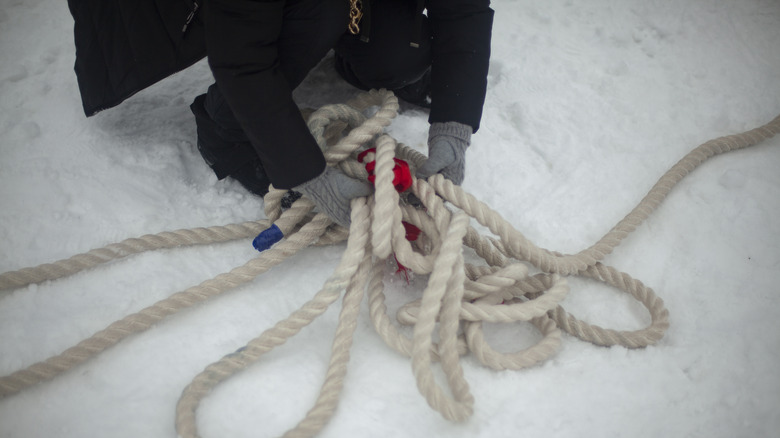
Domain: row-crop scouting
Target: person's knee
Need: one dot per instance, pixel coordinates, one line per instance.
(226, 125)
(395, 70)
(383, 63)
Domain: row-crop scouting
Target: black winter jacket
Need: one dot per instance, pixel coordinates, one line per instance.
(125, 46)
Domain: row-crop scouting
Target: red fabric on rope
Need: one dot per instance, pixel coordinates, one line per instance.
(402, 179)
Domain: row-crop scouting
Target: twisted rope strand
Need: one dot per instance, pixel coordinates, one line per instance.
(167, 239)
(219, 371)
(444, 267)
(144, 319)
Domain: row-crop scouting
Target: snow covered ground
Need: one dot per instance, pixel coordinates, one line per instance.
(588, 104)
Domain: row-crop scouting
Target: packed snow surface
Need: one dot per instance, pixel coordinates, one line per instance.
(588, 104)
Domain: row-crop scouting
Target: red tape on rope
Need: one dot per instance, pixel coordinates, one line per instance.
(402, 181)
(402, 176)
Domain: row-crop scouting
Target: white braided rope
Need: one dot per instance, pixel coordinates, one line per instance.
(458, 298)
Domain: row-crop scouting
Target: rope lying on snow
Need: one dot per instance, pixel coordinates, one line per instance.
(458, 298)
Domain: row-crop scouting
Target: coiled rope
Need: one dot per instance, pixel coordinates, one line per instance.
(458, 297)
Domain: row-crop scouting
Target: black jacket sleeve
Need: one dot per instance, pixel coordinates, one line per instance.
(241, 43)
(461, 32)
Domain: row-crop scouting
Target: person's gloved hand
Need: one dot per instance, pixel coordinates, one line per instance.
(332, 191)
(447, 143)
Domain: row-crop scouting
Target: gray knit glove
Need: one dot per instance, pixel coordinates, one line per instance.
(332, 191)
(447, 143)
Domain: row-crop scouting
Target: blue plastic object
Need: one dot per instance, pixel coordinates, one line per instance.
(267, 238)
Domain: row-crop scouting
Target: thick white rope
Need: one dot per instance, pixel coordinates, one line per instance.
(458, 298)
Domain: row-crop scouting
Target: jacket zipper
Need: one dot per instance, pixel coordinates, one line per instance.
(193, 10)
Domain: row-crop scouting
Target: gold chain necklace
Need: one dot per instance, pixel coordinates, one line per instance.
(355, 14)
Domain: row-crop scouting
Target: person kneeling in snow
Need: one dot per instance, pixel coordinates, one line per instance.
(248, 125)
